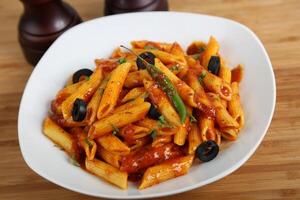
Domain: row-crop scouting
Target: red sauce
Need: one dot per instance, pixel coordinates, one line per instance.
(156, 94)
(128, 134)
(79, 154)
(135, 177)
(208, 111)
(149, 156)
(59, 120)
(107, 65)
(225, 91)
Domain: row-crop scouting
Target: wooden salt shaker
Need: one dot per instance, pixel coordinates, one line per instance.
(41, 23)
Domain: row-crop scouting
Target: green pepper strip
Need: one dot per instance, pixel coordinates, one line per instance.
(167, 86)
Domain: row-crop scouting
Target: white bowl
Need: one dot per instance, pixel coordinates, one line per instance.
(79, 46)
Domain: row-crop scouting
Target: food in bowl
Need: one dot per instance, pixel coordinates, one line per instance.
(145, 113)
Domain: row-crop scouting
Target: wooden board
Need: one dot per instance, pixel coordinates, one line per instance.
(273, 172)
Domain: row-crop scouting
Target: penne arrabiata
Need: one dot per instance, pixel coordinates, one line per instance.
(148, 111)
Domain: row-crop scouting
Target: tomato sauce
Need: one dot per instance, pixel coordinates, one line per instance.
(225, 91)
(128, 134)
(149, 156)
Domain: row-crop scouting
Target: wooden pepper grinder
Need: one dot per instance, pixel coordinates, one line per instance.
(123, 6)
(41, 23)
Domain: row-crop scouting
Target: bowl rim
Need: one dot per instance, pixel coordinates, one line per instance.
(161, 194)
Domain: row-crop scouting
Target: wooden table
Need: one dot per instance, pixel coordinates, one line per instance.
(273, 172)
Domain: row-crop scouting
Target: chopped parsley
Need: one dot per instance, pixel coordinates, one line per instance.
(88, 142)
(174, 68)
(115, 129)
(192, 118)
(201, 49)
(87, 78)
(162, 120)
(153, 133)
(201, 77)
(122, 60)
(196, 56)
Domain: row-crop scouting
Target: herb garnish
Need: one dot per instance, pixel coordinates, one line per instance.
(115, 129)
(201, 77)
(122, 60)
(153, 133)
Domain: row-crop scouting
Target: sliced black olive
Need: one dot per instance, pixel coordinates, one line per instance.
(80, 73)
(79, 110)
(148, 56)
(214, 65)
(153, 112)
(207, 150)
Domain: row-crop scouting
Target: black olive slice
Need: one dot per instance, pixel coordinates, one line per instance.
(79, 110)
(80, 73)
(207, 150)
(214, 65)
(148, 56)
(153, 112)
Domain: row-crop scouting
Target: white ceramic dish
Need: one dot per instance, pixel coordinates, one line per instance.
(79, 46)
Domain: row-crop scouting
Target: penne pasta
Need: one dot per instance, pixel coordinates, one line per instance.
(109, 157)
(185, 92)
(234, 106)
(165, 171)
(229, 133)
(128, 105)
(237, 74)
(89, 146)
(93, 105)
(58, 135)
(133, 94)
(197, 47)
(216, 85)
(225, 74)
(181, 134)
(146, 111)
(165, 57)
(120, 119)
(107, 172)
(194, 138)
(113, 144)
(112, 90)
(207, 128)
(160, 99)
(200, 97)
(178, 51)
(223, 118)
(135, 79)
(154, 125)
(145, 44)
(211, 49)
(59, 119)
(85, 92)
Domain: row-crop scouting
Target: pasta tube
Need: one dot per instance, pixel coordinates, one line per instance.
(112, 90)
(165, 171)
(234, 106)
(85, 92)
(58, 135)
(120, 119)
(160, 99)
(113, 144)
(107, 172)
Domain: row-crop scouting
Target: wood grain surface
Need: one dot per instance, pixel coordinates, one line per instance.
(273, 172)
